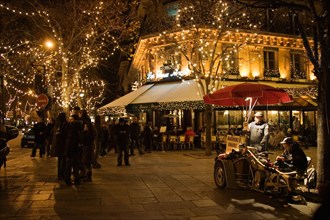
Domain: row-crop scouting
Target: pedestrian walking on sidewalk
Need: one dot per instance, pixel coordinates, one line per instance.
(148, 137)
(58, 143)
(73, 147)
(88, 136)
(49, 135)
(97, 141)
(122, 137)
(112, 136)
(135, 131)
(39, 133)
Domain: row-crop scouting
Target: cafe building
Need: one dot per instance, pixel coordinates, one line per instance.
(166, 90)
(164, 84)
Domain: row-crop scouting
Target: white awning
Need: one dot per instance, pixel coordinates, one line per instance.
(170, 92)
(126, 99)
(186, 91)
(179, 91)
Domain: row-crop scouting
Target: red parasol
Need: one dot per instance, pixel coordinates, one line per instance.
(245, 94)
(238, 95)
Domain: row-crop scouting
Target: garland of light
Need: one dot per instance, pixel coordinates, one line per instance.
(187, 105)
(89, 59)
(221, 27)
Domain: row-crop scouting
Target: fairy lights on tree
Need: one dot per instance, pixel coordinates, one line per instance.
(206, 40)
(84, 34)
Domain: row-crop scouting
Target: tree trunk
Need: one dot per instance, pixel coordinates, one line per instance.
(65, 86)
(323, 123)
(208, 121)
(323, 134)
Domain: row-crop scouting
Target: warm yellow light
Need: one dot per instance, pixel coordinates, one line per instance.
(244, 72)
(49, 44)
(255, 73)
(312, 77)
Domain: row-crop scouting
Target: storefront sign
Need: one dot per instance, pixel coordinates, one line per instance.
(233, 143)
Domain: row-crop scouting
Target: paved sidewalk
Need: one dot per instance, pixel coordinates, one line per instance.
(159, 185)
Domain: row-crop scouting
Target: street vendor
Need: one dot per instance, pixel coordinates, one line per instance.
(293, 157)
(259, 133)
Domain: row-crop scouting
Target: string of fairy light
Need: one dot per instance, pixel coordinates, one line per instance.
(72, 81)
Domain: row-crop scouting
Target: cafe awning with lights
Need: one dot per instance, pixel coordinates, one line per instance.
(186, 94)
(118, 105)
(157, 94)
(171, 92)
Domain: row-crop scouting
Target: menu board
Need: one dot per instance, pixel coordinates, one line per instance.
(232, 143)
(162, 129)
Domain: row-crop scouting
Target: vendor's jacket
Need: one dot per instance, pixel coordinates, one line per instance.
(259, 134)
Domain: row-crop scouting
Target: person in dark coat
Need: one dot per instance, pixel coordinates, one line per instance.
(98, 140)
(105, 141)
(72, 152)
(39, 133)
(135, 136)
(293, 157)
(148, 137)
(112, 136)
(58, 143)
(87, 157)
(122, 132)
(49, 135)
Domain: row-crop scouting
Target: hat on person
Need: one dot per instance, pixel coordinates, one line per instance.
(287, 140)
(258, 114)
(77, 108)
(122, 120)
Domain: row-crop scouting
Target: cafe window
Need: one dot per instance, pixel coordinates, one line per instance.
(230, 59)
(235, 119)
(309, 118)
(272, 119)
(171, 7)
(271, 62)
(172, 57)
(222, 120)
(284, 117)
(297, 65)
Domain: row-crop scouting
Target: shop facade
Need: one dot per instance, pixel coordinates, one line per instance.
(165, 83)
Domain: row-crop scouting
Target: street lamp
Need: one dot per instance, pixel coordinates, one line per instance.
(40, 77)
(49, 44)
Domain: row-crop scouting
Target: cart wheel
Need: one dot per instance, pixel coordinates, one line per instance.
(219, 175)
(258, 181)
(283, 188)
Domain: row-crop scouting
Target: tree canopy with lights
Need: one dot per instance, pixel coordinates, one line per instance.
(63, 43)
(205, 37)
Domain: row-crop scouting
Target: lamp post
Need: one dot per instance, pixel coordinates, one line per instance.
(40, 81)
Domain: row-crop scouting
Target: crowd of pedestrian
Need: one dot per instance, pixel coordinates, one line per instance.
(78, 143)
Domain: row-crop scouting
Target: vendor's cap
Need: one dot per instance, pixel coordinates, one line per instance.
(122, 120)
(259, 114)
(287, 140)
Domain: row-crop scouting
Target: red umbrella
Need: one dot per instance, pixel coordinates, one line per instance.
(241, 94)
(249, 95)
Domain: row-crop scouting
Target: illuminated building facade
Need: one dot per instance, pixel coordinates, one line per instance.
(272, 55)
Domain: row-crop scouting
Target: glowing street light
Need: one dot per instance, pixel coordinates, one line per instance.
(49, 44)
